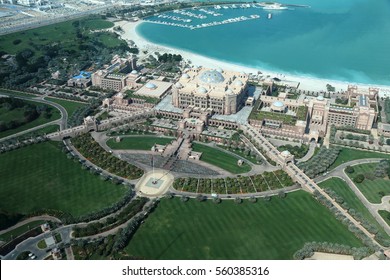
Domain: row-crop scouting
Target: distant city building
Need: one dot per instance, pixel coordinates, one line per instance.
(206, 89)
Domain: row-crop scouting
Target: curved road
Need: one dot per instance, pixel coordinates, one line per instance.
(372, 207)
(62, 122)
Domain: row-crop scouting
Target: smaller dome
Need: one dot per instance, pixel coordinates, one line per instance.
(229, 91)
(120, 95)
(219, 70)
(278, 104)
(134, 72)
(178, 85)
(185, 76)
(286, 153)
(238, 83)
(320, 98)
(202, 90)
(150, 86)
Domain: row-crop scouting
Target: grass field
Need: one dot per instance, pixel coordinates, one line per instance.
(240, 153)
(70, 106)
(40, 176)
(342, 189)
(138, 143)
(64, 32)
(347, 154)
(220, 159)
(262, 230)
(17, 114)
(20, 230)
(96, 24)
(371, 188)
(385, 215)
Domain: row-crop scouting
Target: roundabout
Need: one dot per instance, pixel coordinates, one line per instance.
(154, 183)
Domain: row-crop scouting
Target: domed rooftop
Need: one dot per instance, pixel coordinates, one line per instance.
(185, 76)
(219, 70)
(202, 90)
(238, 83)
(178, 85)
(150, 86)
(278, 104)
(229, 91)
(286, 153)
(212, 76)
(134, 72)
(320, 98)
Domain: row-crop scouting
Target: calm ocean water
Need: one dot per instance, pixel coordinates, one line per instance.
(346, 40)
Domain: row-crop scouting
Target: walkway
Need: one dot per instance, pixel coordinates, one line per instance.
(309, 154)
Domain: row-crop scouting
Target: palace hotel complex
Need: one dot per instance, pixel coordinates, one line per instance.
(203, 97)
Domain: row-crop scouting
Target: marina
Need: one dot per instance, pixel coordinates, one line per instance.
(204, 25)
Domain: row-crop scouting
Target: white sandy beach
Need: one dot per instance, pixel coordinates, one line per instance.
(305, 83)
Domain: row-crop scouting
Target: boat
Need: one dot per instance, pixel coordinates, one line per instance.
(269, 16)
(274, 6)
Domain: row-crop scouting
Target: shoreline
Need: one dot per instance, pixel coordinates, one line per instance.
(305, 82)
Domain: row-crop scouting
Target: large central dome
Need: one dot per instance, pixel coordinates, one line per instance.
(211, 77)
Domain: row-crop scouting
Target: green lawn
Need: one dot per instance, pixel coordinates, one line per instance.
(64, 32)
(342, 189)
(385, 215)
(138, 143)
(240, 153)
(96, 24)
(347, 154)
(41, 176)
(109, 40)
(70, 106)
(220, 159)
(371, 188)
(20, 230)
(17, 114)
(262, 230)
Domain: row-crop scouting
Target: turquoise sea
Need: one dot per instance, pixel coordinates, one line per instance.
(346, 40)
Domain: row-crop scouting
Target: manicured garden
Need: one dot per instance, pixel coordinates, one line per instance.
(240, 185)
(272, 229)
(320, 162)
(347, 154)
(41, 177)
(138, 142)
(351, 201)
(91, 150)
(220, 159)
(372, 187)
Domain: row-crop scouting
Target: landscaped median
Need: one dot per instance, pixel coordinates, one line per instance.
(266, 181)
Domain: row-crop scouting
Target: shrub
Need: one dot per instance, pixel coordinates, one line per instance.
(359, 178)
(349, 169)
